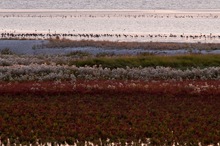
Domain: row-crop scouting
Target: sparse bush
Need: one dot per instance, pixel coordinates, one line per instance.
(6, 51)
(79, 54)
(105, 54)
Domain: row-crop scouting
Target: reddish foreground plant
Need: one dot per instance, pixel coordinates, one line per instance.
(157, 88)
(167, 112)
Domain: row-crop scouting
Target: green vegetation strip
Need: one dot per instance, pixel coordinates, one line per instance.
(181, 61)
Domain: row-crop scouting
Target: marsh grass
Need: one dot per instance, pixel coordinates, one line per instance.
(178, 61)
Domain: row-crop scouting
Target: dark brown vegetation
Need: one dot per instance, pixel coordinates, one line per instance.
(167, 112)
(63, 43)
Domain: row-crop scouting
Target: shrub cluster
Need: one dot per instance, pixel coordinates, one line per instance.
(57, 72)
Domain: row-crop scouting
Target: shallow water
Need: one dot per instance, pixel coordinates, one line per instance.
(26, 47)
(109, 4)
